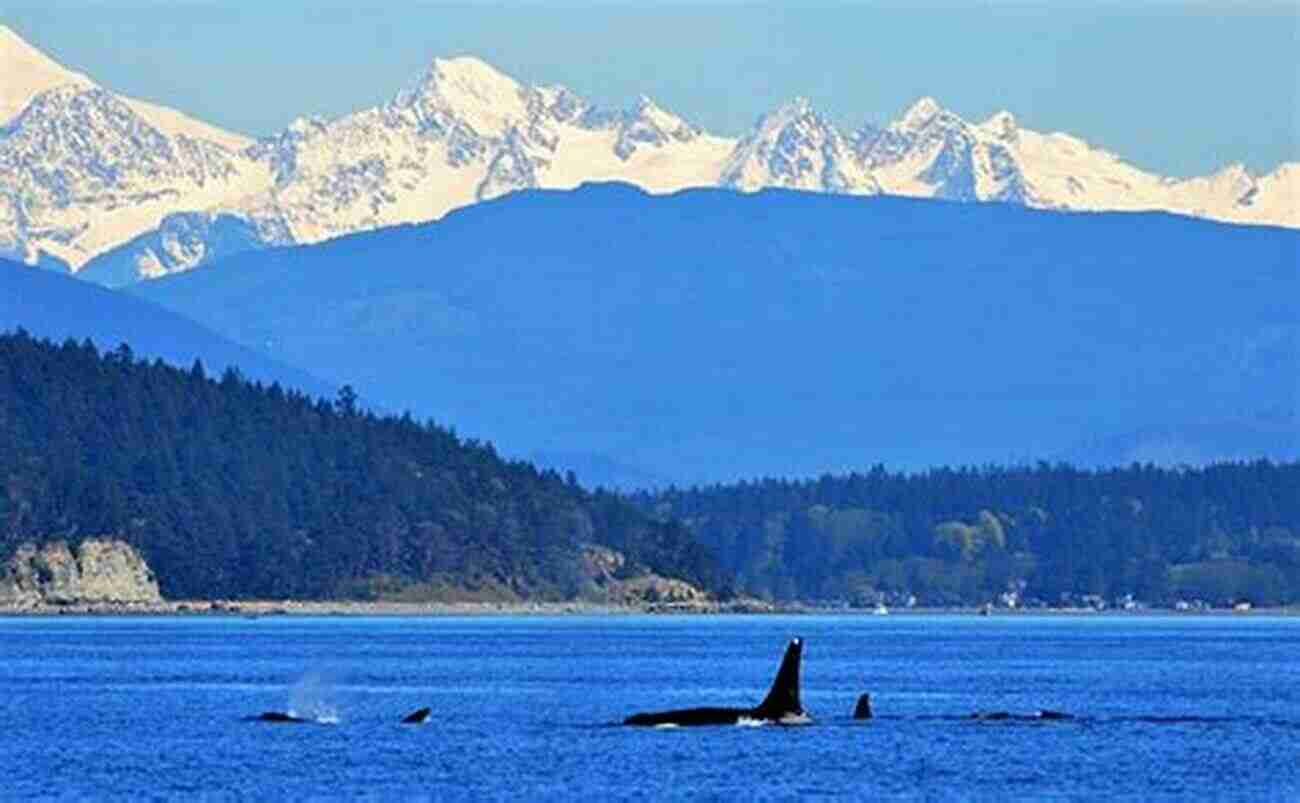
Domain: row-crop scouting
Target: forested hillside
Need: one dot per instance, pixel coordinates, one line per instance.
(235, 489)
(1228, 532)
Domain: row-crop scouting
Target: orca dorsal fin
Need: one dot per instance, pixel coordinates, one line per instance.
(783, 698)
(417, 717)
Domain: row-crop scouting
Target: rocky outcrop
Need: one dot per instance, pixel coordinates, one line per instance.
(612, 581)
(600, 564)
(659, 591)
(96, 571)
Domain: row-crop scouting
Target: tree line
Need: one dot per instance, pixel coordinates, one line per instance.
(235, 489)
(1045, 533)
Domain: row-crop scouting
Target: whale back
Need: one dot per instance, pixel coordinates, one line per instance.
(417, 717)
(863, 708)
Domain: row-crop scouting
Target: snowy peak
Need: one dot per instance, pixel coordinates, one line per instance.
(927, 120)
(471, 75)
(471, 91)
(651, 125)
(177, 124)
(918, 115)
(1001, 126)
(84, 170)
(85, 173)
(790, 112)
(98, 137)
(1232, 187)
(654, 114)
(794, 146)
(932, 152)
(28, 72)
(69, 109)
(305, 127)
(1233, 180)
(557, 103)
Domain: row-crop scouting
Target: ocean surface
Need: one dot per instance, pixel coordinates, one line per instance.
(1168, 708)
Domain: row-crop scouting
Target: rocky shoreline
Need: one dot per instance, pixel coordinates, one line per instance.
(256, 609)
(106, 577)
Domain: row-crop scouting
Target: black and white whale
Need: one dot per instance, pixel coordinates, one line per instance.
(780, 706)
(417, 717)
(280, 718)
(863, 709)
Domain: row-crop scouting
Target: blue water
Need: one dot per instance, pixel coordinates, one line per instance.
(526, 708)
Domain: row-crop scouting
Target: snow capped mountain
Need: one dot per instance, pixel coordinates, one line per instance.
(797, 148)
(927, 152)
(86, 174)
(29, 72)
(182, 241)
(465, 132)
(471, 92)
(652, 126)
(932, 152)
(84, 169)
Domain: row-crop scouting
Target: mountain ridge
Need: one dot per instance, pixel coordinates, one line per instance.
(31, 72)
(60, 308)
(463, 132)
(691, 337)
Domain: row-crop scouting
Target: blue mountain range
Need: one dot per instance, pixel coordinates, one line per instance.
(57, 307)
(712, 335)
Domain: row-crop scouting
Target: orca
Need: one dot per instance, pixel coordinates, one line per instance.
(417, 717)
(279, 717)
(863, 709)
(780, 706)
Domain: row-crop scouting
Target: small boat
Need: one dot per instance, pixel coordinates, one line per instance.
(880, 610)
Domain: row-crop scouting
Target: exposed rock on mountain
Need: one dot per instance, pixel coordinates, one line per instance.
(96, 571)
(29, 72)
(182, 241)
(797, 148)
(463, 133)
(82, 170)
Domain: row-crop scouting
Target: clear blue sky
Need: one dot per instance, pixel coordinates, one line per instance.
(1180, 88)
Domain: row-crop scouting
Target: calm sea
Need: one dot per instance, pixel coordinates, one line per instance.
(526, 708)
